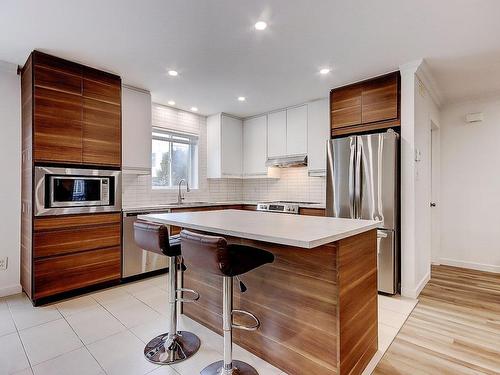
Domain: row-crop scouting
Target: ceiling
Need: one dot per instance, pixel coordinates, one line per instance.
(220, 56)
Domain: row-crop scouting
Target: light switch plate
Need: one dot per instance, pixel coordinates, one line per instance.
(4, 262)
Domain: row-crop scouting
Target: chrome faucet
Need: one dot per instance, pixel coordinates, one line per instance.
(180, 198)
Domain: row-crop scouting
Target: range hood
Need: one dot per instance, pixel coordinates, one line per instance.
(287, 161)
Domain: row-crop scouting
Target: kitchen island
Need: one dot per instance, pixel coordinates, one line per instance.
(317, 302)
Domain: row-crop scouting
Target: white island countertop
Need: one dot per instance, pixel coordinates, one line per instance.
(285, 229)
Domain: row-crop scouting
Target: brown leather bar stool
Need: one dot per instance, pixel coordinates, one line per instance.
(217, 257)
(173, 346)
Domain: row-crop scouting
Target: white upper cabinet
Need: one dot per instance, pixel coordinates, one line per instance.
(224, 146)
(254, 146)
(136, 131)
(287, 132)
(318, 134)
(276, 134)
(296, 130)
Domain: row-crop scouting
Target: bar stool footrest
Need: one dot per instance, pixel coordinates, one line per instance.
(253, 327)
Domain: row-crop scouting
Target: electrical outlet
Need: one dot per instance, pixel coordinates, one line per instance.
(4, 262)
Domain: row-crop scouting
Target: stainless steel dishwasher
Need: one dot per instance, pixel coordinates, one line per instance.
(137, 261)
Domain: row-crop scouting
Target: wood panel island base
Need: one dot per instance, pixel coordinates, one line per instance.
(317, 302)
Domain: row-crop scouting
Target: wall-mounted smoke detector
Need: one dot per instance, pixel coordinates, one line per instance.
(474, 117)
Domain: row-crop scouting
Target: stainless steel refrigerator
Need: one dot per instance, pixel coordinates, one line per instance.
(363, 183)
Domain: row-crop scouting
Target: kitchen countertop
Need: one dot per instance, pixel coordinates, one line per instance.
(293, 230)
(188, 204)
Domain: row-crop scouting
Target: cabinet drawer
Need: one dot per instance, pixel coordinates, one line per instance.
(75, 221)
(312, 211)
(49, 243)
(71, 234)
(68, 272)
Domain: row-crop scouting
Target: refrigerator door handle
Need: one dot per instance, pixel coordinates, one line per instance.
(358, 179)
(352, 179)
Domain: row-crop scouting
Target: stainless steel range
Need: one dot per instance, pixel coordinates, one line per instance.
(287, 207)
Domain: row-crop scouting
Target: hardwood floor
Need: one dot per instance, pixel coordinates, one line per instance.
(454, 329)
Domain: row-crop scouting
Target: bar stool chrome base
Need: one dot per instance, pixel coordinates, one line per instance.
(239, 368)
(163, 350)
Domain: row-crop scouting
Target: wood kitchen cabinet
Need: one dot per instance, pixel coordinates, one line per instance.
(71, 117)
(101, 136)
(57, 109)
(76, 112)
(365, 106)
(75, 251)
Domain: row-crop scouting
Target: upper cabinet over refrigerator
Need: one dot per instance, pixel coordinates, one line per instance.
(366, 106)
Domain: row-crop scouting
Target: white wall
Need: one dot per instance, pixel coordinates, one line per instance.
(418, 112)
(470, 186)
(426, 114)
(10, 186)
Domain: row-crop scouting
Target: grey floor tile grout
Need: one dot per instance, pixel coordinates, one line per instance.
(19, 336)
(79, 338)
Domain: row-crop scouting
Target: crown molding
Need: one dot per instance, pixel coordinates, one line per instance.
(410, 67)
(425, 75)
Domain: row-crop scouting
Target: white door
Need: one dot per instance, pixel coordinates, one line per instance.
(296, 130)
(318, 134)
(276, 134)
(232, 142)
(254, 146)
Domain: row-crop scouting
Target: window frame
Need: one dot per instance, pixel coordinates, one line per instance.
(171, 137)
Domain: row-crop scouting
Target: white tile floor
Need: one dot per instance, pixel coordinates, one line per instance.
(105, 333)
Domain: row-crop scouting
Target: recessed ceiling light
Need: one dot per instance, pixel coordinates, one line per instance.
(261, 25)
(194, 109)
(173, 73)
(171, 102)
(325, 71)
(241, 98)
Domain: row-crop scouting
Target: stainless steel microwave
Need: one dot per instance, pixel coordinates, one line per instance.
(62, 191)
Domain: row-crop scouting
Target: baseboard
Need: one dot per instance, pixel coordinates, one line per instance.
(10, 290)
(415, 292)
(470, 265)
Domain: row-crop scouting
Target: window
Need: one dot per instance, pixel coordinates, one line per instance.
(174, 157)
